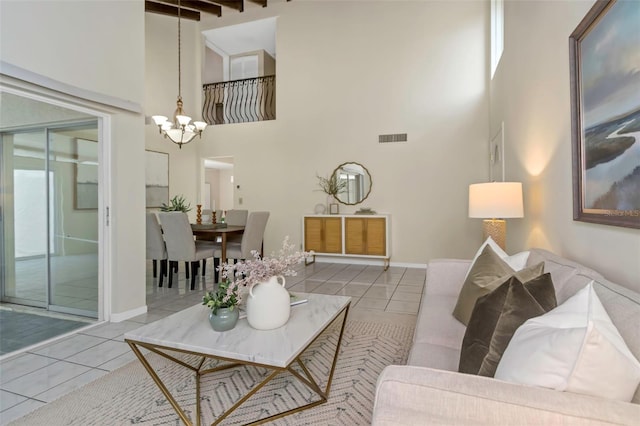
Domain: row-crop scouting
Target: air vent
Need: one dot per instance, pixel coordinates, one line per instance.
(398, 137)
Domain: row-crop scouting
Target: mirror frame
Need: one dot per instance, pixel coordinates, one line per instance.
(368, 175)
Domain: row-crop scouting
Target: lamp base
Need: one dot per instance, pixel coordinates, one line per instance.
(496, 229)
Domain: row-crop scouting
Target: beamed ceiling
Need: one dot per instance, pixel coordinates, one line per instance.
(191, 9)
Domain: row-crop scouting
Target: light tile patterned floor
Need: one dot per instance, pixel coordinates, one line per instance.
(34, 378)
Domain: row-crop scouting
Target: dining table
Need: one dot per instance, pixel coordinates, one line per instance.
(211, 232)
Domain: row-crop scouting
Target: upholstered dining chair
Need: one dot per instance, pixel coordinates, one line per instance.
(156, 248)
(251, 238)
(236, 218)
(181, 247)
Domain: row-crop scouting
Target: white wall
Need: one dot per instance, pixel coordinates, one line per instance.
(531, 93)
(96, 46)
(347, 72)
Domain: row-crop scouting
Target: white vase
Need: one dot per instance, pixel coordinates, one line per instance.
(268, 304)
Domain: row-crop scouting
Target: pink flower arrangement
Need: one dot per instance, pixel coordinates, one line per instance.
(259, 269)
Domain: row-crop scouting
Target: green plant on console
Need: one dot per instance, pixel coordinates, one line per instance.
(176, 204)
(332, 185)
(226, 296)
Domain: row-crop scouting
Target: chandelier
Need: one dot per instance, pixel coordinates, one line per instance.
(181, 130)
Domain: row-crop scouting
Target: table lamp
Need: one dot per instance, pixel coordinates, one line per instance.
(495, 201)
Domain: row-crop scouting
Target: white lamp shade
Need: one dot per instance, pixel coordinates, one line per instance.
(496, 200)
(183, 119)
(200, 125)
(159, 119)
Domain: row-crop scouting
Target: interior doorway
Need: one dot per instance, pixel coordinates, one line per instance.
(219, 188)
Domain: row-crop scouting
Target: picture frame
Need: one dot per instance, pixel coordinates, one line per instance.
(496, 156)
(86, 174)
(156, 178)
(334, 208)
(605, 115)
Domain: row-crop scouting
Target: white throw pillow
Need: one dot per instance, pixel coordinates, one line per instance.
(575, 348)
(517, 262)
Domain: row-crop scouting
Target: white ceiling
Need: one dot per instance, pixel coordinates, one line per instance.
(241, 38)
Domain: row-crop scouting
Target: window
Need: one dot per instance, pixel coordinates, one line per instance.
(497, 33)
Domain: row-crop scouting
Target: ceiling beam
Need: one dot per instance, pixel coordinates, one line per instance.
(233, 4)
(205, 6)
(166, 9)
(262, 3)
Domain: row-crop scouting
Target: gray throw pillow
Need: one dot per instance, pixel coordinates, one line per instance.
(497, 316)
(487, 273)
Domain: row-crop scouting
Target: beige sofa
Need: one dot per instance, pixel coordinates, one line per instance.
(429, 390)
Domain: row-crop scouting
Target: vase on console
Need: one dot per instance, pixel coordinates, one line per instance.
(268, 304)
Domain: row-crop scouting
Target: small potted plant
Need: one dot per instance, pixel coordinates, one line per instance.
(176, 204)
(223, 303)
(331, 186)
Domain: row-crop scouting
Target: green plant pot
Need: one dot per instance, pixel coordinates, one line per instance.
(225, 319)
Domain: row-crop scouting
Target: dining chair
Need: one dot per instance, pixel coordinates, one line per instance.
(181, 247)
(251, 238)
(206, 215)
(156, 248)
(236, 218)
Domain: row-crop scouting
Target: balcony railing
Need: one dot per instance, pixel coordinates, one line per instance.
(240, 101)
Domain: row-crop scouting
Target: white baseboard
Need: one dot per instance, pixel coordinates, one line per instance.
(377, 262)
(122, 316)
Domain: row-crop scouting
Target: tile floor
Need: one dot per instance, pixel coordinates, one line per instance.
(39, 376)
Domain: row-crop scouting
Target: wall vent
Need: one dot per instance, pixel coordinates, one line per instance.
(398, 137)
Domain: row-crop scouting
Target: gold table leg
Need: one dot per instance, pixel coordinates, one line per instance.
(307, 381)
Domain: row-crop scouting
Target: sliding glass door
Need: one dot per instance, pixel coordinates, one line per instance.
(49, 224)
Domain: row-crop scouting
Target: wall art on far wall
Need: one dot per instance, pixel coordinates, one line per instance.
(86, 171)
(605, 108)
(156, 178)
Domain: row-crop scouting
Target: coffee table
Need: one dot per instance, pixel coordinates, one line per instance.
(278, 350)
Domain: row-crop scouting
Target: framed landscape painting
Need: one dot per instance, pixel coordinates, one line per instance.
(156, 178)
(605, 107)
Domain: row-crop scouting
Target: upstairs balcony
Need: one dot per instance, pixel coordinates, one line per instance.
(240, 101)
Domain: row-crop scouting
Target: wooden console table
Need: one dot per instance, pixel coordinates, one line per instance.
(364, 236)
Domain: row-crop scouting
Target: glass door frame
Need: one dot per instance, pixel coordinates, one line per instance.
(103, 118)
(47, 130)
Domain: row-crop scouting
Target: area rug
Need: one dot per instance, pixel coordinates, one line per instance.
(129, 396)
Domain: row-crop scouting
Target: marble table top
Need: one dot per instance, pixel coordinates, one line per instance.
(190, 330)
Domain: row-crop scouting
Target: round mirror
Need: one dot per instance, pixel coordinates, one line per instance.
(354, 181)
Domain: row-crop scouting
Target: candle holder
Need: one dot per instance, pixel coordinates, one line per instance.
(213, 217)
(199, 214)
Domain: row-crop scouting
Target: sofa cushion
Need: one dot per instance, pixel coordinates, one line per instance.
(496, 317)
(434, 356)
(574, 348)
(436, 325)
(516, 261)
(487, 273)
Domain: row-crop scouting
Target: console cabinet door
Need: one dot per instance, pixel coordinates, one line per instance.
(313, 234)
(367, 236)
(376, 237)
(323, 234)
(332, 235)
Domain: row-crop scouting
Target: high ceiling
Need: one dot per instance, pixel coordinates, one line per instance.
(191, 9)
